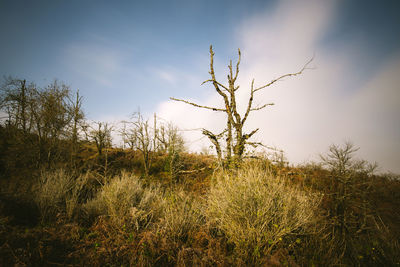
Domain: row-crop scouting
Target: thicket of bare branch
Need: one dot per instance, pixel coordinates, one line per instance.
(52, 114)
(139, 135)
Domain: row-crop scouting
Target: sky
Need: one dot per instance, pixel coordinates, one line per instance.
(126, 55)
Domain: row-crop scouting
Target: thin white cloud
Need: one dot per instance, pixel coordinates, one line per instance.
(175, 77)
(166, 75)
(96, 62)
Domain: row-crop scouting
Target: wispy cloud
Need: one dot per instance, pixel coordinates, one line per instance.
(96, 62)
(174, 77)
(166, 75)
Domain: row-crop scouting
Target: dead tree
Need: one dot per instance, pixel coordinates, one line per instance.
(15, 101)
(77, 117)
(144, 142)
(169, 138)
(139, 137)
(236, 138)
(101, 136)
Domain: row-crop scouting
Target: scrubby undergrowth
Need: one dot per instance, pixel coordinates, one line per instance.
(260, 214)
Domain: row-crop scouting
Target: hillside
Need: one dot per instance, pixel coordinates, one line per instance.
(104, 210)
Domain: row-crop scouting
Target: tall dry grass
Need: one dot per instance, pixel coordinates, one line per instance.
(258, 211)
(58, 194)
(52, 193)
(250, 216)
(153, 225)
(127, 202)
(182, 216)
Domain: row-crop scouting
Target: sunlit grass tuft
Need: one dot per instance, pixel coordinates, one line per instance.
(52, 193)
(257, 211)
(127, 202)
(182, 215)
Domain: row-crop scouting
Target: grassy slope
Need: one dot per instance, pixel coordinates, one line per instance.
(189, 219)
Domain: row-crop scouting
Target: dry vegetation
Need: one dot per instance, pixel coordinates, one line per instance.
(260, 214)
(68, 197)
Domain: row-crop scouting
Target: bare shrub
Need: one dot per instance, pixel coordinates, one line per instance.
(257, 211)
(340, 161)
(356, 231)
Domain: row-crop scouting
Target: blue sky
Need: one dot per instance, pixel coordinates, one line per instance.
(100, 47)
(122, 55)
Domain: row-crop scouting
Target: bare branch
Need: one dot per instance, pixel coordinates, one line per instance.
(214, 139)
(286, 75)
(247, 136)
(230, 75)
(219, 84)
(263, 106)
(250, 102)
(214, 80)
(237, 67)
(197, 105)
(256, 144)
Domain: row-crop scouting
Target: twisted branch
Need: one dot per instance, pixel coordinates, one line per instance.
(197, 105)
(305, 67)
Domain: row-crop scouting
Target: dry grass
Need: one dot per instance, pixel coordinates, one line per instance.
(257, 215)
(257, 211)
(72, 201)
(182, 216)
(58, 195)
(52, 194)
(127, 202)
